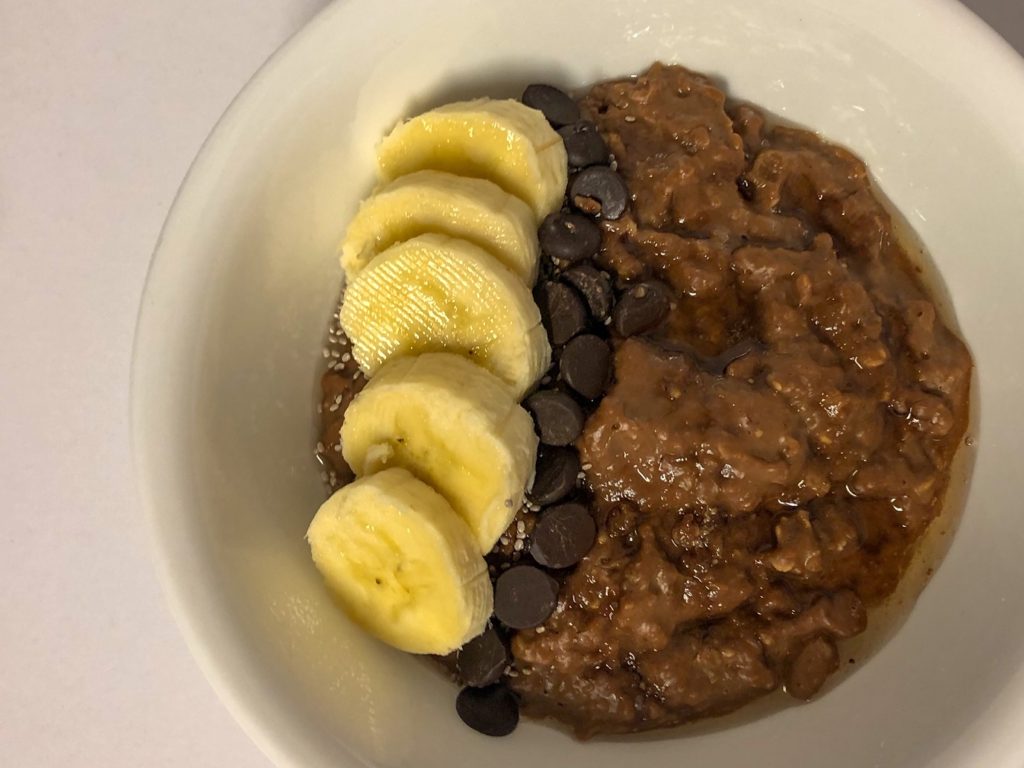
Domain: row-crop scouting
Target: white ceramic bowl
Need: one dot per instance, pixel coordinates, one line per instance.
(245, 277)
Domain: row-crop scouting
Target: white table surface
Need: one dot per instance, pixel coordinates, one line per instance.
(103, 105)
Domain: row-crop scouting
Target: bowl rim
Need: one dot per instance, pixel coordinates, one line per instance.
(971, 30)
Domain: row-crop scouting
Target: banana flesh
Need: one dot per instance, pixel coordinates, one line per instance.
(454, 426)
(476, 210)
(439, 263)
(435, 293)
(401, 563)
(500, 140)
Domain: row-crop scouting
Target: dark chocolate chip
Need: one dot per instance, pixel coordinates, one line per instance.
(584, 145)
(483, 659)
(561, 310)
(585, 365)
(558, 417)
(557, 472)
(569, 237)
(641, 308)
(599, 190)
(558, 106)
(524, 597)
(493, 711)
(563, 536)
(594, 285)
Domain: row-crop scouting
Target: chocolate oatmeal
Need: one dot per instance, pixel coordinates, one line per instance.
(784, 408)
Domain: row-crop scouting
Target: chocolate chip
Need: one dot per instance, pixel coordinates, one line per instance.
(556, 476)
(524, 597)
(558, 417)
(585, 365)
(483, 659)
(493, 711)
(558, 106)
(594, 285)
(584, 145)
(569, 237)
(641, 308)
(563, 536)
(561, 310)
(599, 190)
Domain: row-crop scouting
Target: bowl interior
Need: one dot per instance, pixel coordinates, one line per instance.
(245, 279)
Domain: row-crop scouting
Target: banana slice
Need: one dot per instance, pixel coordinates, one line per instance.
(476, 210)
(504, 141)
(441, 294)
(401, 563)
(454, 426)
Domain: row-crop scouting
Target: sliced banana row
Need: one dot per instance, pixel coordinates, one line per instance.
(444, 454)
(439, 264)
(483, 173)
